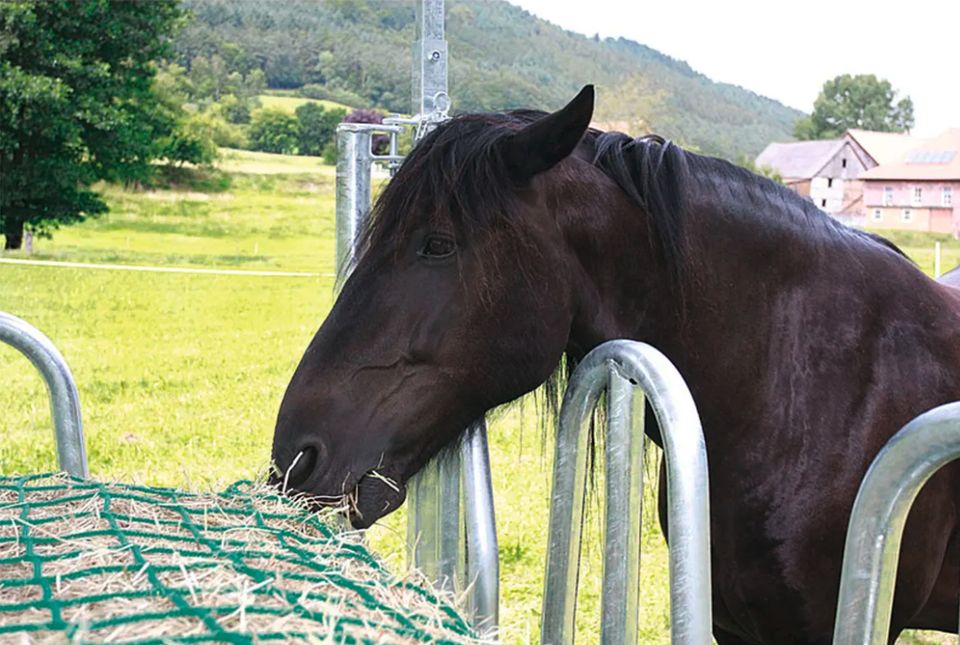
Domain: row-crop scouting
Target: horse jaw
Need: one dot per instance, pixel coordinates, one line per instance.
(375, 495)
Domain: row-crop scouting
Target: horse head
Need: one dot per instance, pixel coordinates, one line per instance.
(462, 298)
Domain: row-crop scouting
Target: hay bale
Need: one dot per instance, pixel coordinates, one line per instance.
(85, 561)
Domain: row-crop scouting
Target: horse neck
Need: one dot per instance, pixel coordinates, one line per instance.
(748, 264)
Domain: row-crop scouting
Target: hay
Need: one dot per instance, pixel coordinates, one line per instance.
(82, 561)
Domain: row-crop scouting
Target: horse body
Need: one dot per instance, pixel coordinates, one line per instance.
(806, 345)
(789, 439)
(776, 328)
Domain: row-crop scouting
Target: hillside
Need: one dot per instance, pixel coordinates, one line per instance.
(358, 52)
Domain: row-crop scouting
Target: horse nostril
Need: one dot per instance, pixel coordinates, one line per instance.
(300, 469)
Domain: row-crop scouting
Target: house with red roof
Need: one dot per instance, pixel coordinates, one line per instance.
(919, 190)
(828, 172)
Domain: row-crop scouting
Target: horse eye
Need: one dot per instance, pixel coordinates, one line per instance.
(437, 246)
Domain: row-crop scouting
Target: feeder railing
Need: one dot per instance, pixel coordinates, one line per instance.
(620, 367)
(872, 549)
(64, 399)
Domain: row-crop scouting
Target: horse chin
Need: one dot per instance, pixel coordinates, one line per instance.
(376, 495)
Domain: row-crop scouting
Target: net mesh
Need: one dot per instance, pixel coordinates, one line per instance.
(97, 562)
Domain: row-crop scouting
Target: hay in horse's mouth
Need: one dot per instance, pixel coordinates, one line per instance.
(375, 495)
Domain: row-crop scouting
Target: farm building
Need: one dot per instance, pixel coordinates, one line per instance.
(828, 171)
(919, 191)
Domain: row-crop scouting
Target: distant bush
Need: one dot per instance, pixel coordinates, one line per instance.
(222, 132)
(765, 171)
(330, 153)
(318, 127)
(204, 180)
(274, 131)
(192, 143)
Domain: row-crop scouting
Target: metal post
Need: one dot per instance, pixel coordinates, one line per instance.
(433, 520)
(457, 550)
(435, 495)
(482, 554)
(64, 399)
(430, 98)
(879, 514)
(354, 166)
(623, 450)
(617, 365)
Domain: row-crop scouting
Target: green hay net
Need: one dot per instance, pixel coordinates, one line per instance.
(82, 561)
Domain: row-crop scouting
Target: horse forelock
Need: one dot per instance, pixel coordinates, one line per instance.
(455, 179)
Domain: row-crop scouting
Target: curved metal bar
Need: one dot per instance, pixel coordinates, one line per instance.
(483, 556)
(687, 495)
(872, 549)
(64, 399)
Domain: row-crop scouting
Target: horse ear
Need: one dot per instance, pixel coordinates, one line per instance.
(550, 139)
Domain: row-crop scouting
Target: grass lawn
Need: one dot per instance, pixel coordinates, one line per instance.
(291, 103)
(180, 376)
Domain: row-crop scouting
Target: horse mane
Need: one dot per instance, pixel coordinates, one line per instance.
(456, 179)
(665, 180)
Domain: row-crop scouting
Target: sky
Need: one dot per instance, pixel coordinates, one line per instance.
(786, 50)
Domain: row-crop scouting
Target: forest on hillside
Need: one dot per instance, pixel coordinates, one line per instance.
(357, 52)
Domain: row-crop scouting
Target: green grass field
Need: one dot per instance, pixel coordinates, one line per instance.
(180, 376)
(291, 103)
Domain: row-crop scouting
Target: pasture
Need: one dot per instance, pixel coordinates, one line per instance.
(181, 375)
(291, 103)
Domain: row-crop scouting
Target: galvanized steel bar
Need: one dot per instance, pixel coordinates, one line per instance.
(355, 161)
(482, 552)
(457, 550)
(433, 519)
(879, 514)
(623, 449)
(64, 398)
(687, 497)
(354, 167)
(430, 98)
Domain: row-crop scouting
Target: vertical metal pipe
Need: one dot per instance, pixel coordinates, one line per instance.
(454, 553)
(482, 553)
(879, 514)
(433, 519)
(567, 496)
(430, 98)
(354, 167)
(64, 398)
(623, 512)
(687, 493)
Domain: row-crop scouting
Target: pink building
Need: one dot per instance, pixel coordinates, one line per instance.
(920, 192)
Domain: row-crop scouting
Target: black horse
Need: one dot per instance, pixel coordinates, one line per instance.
(508, 240)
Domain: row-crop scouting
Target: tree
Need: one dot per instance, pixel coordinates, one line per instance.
(764, 171)
(77, 105)
(274, 131)
(862, 101)
(318, 127)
